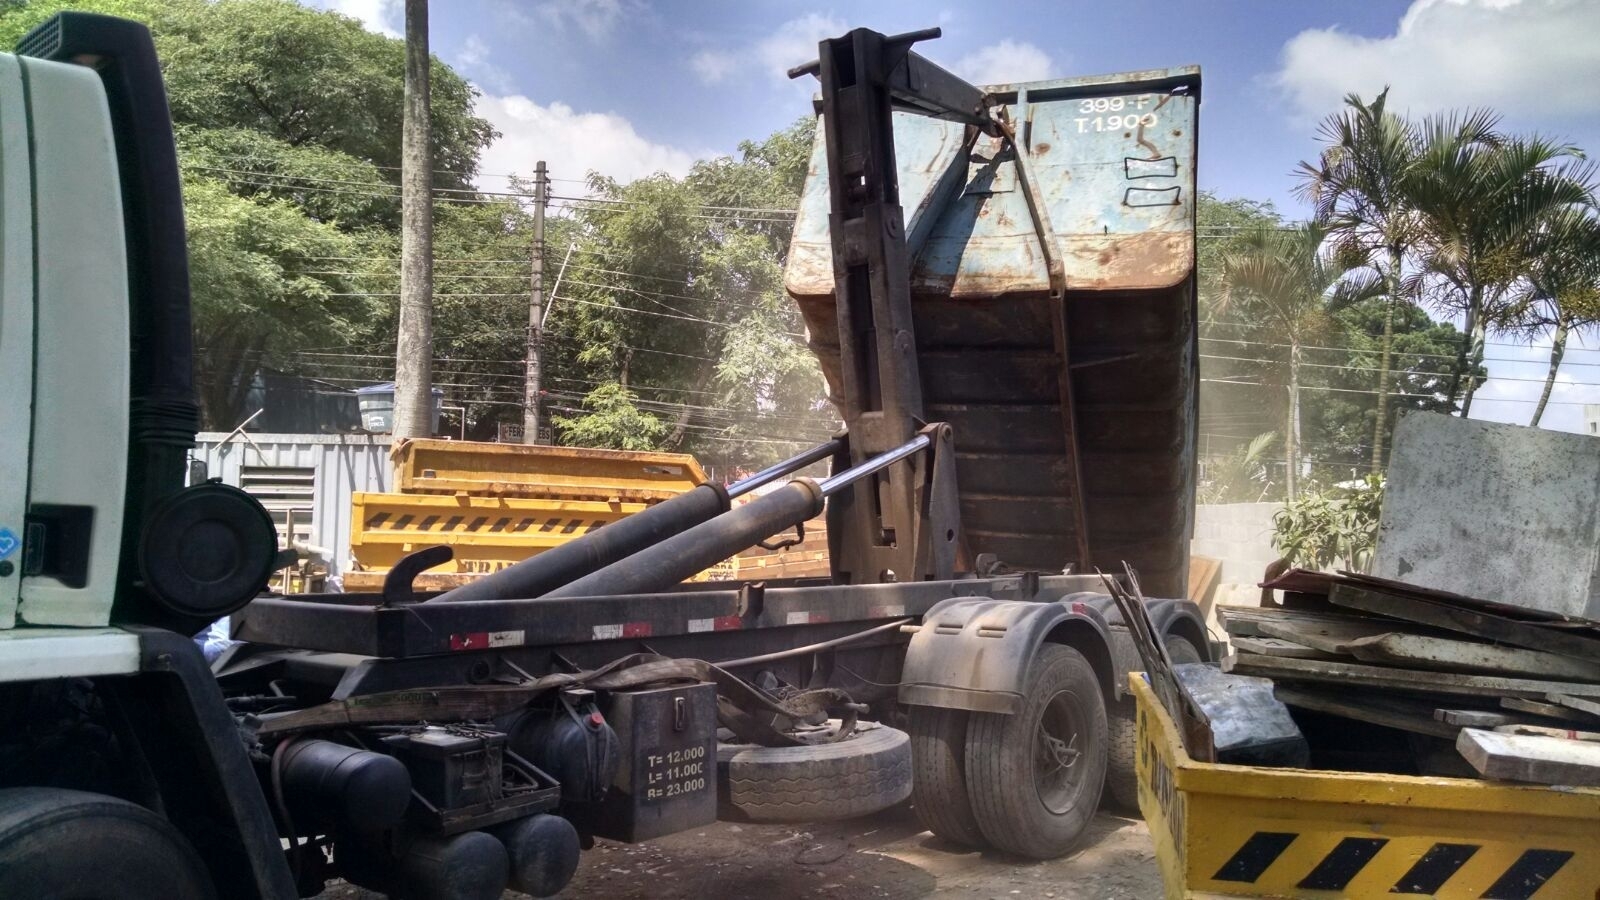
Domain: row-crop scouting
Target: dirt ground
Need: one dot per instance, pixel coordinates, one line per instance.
(882, 857)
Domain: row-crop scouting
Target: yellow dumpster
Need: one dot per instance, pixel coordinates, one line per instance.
(1246, 831)
(498, 504)
(487, 533)
(528, 470)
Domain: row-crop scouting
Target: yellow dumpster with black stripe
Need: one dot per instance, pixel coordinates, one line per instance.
(1246, 831)
(486, 533)
(495, 505)
(542, 472)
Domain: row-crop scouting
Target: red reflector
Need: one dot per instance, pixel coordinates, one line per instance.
(596, 719)
(1078, 608)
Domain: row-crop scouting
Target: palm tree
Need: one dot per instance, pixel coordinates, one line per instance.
(1357, 187)
(1282, 280)
(1562, 288)
(1242, 473)
(1480, 197)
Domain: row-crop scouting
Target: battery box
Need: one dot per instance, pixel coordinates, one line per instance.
(668, 778)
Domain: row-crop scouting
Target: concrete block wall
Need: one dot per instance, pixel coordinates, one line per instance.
(1239, 534)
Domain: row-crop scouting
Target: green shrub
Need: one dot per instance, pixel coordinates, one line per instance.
(1337, 527)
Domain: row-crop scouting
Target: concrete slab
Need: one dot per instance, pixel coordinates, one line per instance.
(1500, 512)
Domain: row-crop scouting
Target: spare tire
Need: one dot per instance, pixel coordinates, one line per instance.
(867, 772)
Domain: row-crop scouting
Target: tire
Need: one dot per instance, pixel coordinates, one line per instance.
(61, 843)
(1122, 777)
(939, 777)
(1026, 804)
(865, 773)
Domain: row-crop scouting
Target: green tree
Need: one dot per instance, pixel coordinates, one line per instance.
(257, 266)
(288, 123)
(1358, 190)
(611, 418)
(1562, 292)
(675, 296)
(1234, 407)
(1281, 279)
(480, 315)
(1422, 358)
(1479, 196)
(1241, 476)
(1222, 226)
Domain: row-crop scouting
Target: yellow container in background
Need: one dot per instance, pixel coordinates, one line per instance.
(533, 470)
(487, 533)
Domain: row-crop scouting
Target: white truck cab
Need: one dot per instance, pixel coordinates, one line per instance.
(63, 342)
(121, 770)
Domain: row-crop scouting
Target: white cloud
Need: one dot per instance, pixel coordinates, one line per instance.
(1008, 62)
(572, 143)
(474, 52)
(473, 60)
(1523, 57)
(712, 66)
(596, 18)
(386, 17)
(793, 43)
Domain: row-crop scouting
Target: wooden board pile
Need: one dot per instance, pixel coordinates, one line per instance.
(1454, 685)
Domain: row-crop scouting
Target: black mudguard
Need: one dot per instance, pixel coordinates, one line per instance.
(1170, 617)
(973, 653)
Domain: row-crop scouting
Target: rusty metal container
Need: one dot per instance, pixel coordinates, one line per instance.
(1113, 159)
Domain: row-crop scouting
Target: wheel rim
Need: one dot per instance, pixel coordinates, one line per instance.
(1058, 761)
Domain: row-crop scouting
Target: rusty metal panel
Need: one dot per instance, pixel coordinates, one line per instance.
(1112, 160)
(1115, 160)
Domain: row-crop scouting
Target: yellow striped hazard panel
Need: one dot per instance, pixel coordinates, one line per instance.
(439, 524)
(486, 533)
(1430, 874)
(1243, 831)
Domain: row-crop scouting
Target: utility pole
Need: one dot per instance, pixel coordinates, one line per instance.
(530, 400)
(413, 361)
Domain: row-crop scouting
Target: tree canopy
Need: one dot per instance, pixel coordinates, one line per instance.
(673, 311)
(288, 124)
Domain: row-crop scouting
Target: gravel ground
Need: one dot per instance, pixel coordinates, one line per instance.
(883, 857)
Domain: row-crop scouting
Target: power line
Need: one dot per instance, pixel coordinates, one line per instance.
(385, 190)
(1397, 372)
(1261, 326)
(1434, 397)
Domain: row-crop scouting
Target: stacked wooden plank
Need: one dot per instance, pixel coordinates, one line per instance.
(1515, 691)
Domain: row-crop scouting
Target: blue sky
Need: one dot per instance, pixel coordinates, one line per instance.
(628, 87)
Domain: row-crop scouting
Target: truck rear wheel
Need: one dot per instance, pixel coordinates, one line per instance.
(1122, 781)
(939, 776)
(61, 843)
(1035, 777)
